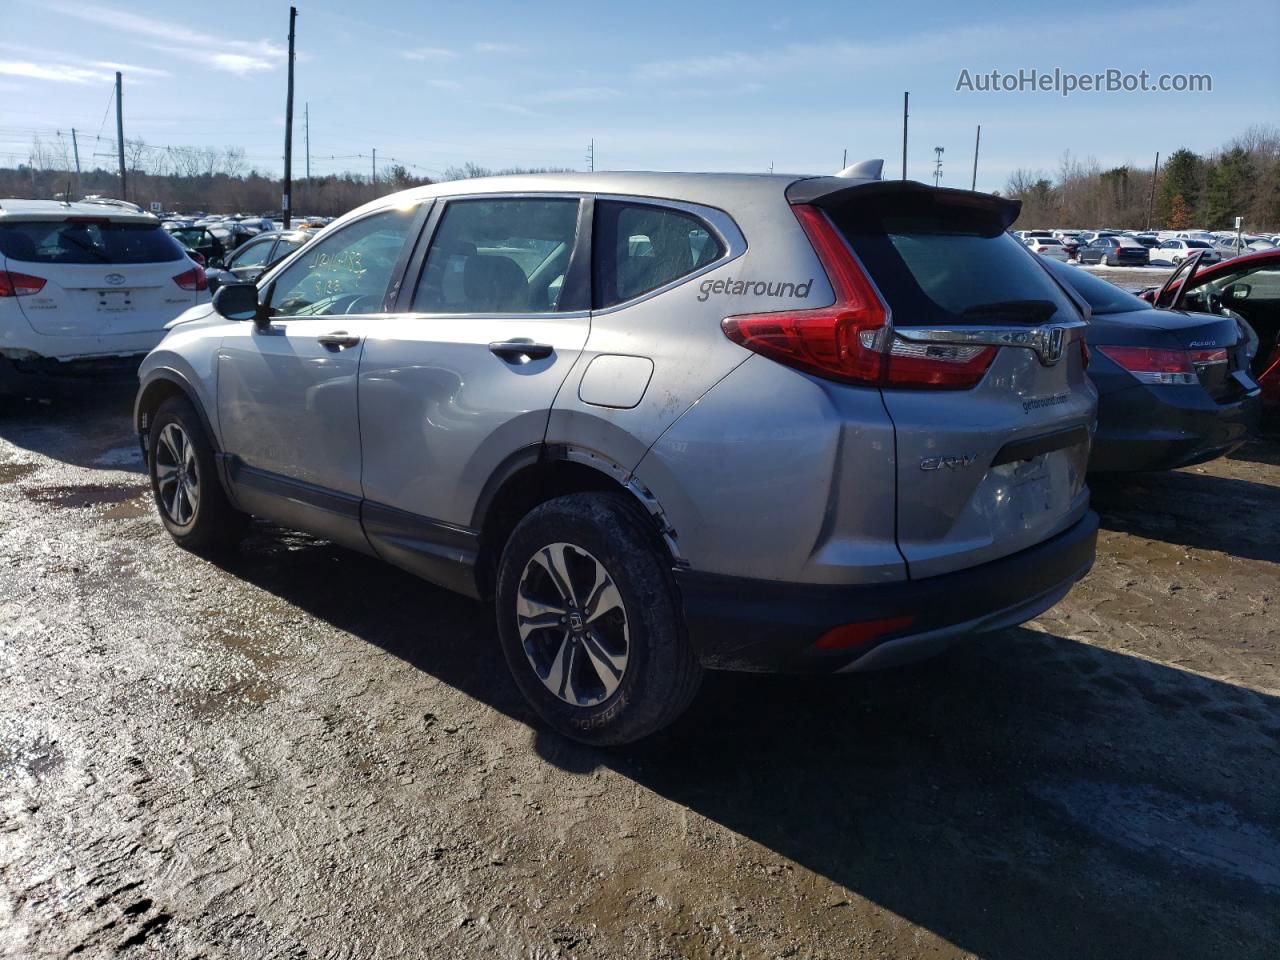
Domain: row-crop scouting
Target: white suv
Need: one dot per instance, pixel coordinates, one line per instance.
(85, 291)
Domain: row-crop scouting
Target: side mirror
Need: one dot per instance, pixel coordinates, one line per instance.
(239, 301)
(1239, 291)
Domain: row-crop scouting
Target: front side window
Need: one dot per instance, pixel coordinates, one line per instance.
(499, 256)
(640, 247)
(346, 272)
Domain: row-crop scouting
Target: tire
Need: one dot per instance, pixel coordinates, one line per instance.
(184, 481)
(637, 625)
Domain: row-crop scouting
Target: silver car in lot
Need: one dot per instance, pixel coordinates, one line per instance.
(667, 422)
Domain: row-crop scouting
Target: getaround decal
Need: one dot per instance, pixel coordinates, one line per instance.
(758, 288)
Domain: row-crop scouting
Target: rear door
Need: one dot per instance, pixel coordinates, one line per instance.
(102, 276)
(496, 313)
(994, 469)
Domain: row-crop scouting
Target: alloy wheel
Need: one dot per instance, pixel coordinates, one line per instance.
(177, 475)
(573, 624)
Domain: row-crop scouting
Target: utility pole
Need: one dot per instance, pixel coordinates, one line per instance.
(306, 135)
(120, 132)
(976, 140)
(591, 155)
(75, 149)
(937, 166)
(1151, 200)
(844, 158)
(906, 97)
(373, 177)
(288, 130)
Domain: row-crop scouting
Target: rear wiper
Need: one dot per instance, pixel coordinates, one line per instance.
(1037, 310)
(88, 247)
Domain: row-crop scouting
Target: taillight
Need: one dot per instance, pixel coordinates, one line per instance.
(1084, 354)
(19, 284)
(193, 279)
(1156, 365)
(1207, 358)
(197, 257)
(850, 341)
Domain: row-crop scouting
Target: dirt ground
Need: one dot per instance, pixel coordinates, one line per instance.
(304, 753)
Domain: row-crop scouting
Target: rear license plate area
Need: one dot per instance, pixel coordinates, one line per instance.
(115, 301)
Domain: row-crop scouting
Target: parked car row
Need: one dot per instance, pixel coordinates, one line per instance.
(1117, 248)
(583, 397)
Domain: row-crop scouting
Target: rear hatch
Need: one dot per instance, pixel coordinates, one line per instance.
(98, 276)
(995, 463)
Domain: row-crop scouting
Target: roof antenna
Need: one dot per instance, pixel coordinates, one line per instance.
(866, 170)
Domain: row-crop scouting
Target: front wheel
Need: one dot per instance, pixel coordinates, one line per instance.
(590, 621)
(184, 482)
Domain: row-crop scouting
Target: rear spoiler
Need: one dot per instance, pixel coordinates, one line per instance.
(835, 191)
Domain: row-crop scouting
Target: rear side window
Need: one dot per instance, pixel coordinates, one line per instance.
(640, 247)
(949, 264)
(87, 240)
(498, 256)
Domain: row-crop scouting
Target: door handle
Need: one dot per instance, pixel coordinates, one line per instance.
(521, 350)
(339, 339)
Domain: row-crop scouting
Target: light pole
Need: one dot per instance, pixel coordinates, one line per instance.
(937, 165)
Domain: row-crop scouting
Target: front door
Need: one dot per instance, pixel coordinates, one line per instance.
(466, 377)
(287, 394)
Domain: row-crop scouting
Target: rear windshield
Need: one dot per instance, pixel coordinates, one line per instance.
(948, 264)
(87, 241)
(1101, 295)
(1199, 244)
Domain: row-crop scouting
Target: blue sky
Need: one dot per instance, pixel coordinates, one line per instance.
(660, 85)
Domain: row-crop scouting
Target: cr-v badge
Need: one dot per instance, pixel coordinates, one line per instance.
(949, 463)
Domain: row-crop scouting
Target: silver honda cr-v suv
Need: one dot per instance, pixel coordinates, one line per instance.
(666, 421)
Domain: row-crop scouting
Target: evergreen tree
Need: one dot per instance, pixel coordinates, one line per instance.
(1179, 178)
(1230, 190)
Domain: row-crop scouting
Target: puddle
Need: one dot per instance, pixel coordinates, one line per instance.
(90, 495)
(250, 646)
(130, 510)
(1203, 835)
(9, 472)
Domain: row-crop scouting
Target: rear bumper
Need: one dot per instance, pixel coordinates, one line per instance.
(47, 379)
(1166, 427)
(736, 623)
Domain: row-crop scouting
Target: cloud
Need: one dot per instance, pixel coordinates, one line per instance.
(58, 74)
(219, 53)
(429, 53)
(575, 95)
(494, 47)
(130, 69)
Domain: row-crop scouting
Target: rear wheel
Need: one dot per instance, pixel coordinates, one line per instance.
(590, 622)
(184, 482)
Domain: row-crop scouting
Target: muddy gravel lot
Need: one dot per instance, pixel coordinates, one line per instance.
(300, 752)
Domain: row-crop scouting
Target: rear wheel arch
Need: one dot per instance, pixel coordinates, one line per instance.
(560, 471)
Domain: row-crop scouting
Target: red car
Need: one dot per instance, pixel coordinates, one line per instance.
(1247, 288)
